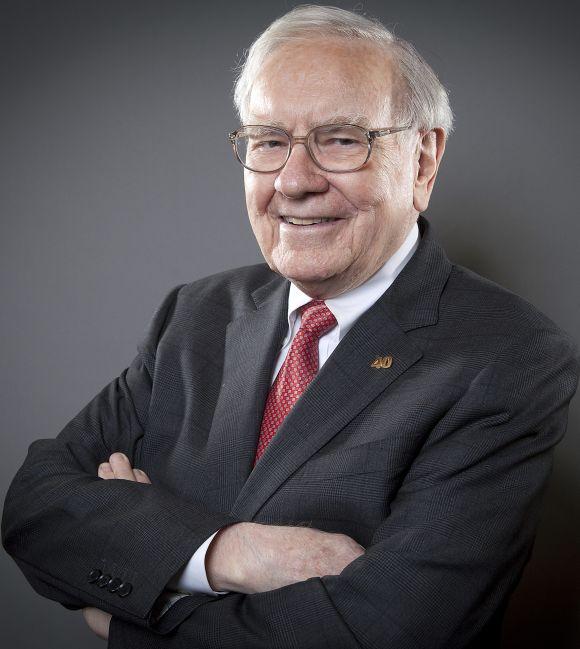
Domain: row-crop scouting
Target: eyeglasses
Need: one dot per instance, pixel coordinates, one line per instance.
(338, 148)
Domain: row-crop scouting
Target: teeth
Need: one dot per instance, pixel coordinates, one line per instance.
(296, 221)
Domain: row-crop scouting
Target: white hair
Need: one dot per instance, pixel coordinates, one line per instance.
(423, 103)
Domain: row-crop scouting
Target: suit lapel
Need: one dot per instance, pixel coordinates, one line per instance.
(251, 345)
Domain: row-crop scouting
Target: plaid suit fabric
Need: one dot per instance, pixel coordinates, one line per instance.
(436, 465)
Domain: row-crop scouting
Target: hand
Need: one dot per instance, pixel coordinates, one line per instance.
(98, 621)
(253, 558)
(117, 468)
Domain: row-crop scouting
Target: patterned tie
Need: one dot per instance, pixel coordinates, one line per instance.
(299, 368)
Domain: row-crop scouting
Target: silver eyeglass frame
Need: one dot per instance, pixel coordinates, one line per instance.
(371, 135)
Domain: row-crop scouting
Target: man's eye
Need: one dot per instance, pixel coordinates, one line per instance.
(267, 144)
(337, 142)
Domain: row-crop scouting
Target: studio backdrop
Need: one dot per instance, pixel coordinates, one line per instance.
(117, 182)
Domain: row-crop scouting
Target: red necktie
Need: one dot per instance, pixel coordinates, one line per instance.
(299, 368)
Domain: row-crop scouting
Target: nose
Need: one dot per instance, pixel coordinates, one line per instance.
(300, 176)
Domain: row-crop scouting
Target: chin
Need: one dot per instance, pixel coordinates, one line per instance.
(300, 275)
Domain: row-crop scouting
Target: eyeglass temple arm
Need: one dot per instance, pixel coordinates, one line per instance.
(388, 131)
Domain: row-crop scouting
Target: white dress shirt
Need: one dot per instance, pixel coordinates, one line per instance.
(346, 308)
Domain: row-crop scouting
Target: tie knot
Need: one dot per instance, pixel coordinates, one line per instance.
(317, 318)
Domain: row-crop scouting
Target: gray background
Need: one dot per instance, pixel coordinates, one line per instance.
(117, 182)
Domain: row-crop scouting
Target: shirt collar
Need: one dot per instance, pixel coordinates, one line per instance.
(349, 306)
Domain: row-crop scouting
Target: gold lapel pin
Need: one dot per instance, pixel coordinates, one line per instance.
(382, 362)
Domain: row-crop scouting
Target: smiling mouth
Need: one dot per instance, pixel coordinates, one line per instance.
(292, 220)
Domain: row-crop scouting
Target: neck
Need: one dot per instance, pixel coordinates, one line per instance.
(333, 286)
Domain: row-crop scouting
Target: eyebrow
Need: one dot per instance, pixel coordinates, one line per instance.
(356, 119)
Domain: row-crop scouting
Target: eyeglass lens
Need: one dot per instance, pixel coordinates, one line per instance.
(334, 147)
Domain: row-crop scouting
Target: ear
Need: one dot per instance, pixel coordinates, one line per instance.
(428, 154)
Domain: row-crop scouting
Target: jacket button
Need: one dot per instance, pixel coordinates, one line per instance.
(103, 580)
(114, 585)
(94, 575)
(124, 589)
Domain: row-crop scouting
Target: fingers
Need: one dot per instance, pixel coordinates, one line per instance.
(119, 468)
(141, 476)
(98, 621)
(105, 471)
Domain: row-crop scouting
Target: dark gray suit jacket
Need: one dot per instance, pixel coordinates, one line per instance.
(436, 465)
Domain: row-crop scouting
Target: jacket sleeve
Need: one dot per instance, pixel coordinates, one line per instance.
(65, 527)
(451, 550)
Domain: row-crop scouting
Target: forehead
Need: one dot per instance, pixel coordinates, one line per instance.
(323, 81)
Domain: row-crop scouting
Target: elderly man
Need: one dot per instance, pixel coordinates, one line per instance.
(345, 447)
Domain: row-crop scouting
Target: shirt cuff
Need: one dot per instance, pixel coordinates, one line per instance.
(192, 578)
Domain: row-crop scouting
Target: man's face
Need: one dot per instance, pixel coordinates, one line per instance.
(309, 85)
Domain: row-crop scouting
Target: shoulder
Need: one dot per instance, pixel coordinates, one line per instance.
(212, 301)
(230, 290)
(477, 307)
(474, 297)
